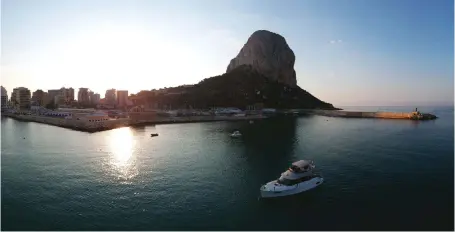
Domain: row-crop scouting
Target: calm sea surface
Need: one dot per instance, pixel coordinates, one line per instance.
(379, 174)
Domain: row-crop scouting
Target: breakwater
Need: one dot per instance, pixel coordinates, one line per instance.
(382, 115)
(144, 119)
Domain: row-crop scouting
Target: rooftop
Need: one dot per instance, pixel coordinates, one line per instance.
(3, 91)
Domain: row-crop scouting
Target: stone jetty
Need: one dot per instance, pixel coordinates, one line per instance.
(415, 115)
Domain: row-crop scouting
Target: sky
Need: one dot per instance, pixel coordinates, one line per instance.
(348, 52)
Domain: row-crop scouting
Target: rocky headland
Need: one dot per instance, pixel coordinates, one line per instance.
(261, 74)
(269, 54)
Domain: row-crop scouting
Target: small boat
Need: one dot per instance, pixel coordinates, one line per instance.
(154, 134)
(236, 134)
(251, 121)
(298, 178)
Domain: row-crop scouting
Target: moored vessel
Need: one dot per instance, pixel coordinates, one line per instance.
(298, 178)
(236, 134)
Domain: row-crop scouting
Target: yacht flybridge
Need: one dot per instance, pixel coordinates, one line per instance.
(298, 178)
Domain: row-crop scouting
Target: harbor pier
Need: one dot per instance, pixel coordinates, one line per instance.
(414, 115)
(145, 118)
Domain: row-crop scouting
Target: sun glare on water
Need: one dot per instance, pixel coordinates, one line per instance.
(122, 160)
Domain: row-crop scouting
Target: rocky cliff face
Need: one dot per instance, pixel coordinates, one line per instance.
(270, 55)
(261, 75)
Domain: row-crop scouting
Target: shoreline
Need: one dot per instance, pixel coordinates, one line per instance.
(84, 126)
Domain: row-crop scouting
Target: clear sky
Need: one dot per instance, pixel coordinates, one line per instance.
(348, 52)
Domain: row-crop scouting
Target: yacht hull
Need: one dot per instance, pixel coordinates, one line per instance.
(270, 190)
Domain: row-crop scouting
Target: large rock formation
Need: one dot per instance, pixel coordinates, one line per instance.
(262, 75)
(270, 55)
(242, 87)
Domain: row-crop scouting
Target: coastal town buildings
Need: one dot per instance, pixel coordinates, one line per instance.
(95, 99)
(67, 94)
(22, 98)
(62, 96)
(13, 99)
(122, 98)
(59, 100)
(40, 97)
(51, 93)
(110, 97)
(83, 115)
(83, 96)
(90, 96)
(4, 99)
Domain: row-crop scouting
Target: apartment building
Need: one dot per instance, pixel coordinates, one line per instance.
(22, 98)
(51, 95)
(83, 96)
(122, 98)
(40, 97)
(96, 98)
(4, 100)
(110, 97)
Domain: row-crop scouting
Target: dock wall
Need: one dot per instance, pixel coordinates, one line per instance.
(391, 115)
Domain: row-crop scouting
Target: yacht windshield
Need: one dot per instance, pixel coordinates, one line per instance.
(295, 168)
(288, 182)
(284, 181)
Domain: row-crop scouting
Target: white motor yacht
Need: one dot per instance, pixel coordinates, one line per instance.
(236, 134)
(298, 178)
